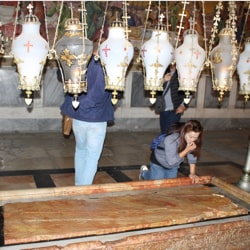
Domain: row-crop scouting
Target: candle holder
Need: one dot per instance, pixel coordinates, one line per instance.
(244, 182)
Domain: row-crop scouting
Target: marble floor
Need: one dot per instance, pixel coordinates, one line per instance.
(39, 160)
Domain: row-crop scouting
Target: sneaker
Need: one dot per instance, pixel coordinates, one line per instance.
(142, 169)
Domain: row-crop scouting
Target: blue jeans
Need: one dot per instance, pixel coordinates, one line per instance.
(89, 137)
(168, 118)
(157, 172)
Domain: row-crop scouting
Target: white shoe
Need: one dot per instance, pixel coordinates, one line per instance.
(142, 169)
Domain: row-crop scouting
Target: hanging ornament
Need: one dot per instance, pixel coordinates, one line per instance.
(2, 41)
(157, 54)
(223, 58)
(243, 68)
(223, 63)
(74, 50)
(190, 58)
(116, 54)
(30, 50)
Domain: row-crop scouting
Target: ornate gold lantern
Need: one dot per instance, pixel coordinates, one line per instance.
(223, 62)
(74, 51)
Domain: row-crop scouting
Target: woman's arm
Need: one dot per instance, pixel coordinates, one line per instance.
(192, 175)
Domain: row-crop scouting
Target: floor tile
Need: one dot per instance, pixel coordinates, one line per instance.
(16, 182)
(227, 172)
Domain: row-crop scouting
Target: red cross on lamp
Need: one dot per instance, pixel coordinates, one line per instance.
(30, 51)
(28, 45)
(105, 50)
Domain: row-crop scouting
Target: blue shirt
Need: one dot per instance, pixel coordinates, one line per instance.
(95, 105)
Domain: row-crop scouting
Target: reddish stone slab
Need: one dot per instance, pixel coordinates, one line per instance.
(225, 235)
(114, 212)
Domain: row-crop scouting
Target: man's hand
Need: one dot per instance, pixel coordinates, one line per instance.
(167, 77)
(180, 109)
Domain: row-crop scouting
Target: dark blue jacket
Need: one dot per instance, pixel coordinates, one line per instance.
(95, 105)
(176, 95)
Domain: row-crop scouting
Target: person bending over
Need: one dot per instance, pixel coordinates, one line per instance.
(182, 140)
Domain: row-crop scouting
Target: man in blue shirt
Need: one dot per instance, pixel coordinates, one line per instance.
(90, 121)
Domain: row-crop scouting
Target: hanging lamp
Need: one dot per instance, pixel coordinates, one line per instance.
(116, 54)
(189, 58)
(156, 54)
(223, 64)
(30, 50)
(74, 50)
(243, 68)
(224, 57)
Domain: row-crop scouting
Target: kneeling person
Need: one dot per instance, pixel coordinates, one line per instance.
(182, 140)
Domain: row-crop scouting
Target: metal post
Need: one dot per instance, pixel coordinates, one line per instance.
(1, 163)
(244, 182)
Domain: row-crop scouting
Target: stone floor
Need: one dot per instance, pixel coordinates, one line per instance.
(37, 160)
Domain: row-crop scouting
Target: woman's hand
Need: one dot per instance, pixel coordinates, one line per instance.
(195, 178)
(190, 146)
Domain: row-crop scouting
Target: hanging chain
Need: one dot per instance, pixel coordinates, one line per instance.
(46, 23)
(167, 20)
(205, 33)
(144, 32)
(192, 31)
(160, 18)
(84, 19)
(83, 25)
(52, 51)
(97, 56)
(232, 20)
(2, 41)
(244, 26)
(82, 58)
(125, 18)
(15, 27)
(214, 30)
(181, 22)
(159, 14)
(192, 20)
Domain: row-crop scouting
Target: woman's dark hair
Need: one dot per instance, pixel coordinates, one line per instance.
(182, 129)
